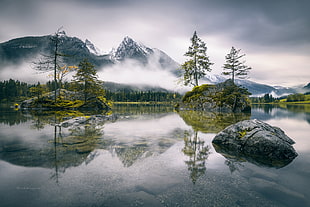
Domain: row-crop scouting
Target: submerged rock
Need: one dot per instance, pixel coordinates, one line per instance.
(94, 119)
(256, 142)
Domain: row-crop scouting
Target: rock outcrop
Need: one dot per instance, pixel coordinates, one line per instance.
(222, 97)
(69, 100)
(94, 120)
(256, 142)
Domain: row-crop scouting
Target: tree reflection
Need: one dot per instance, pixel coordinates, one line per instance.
(198, 154)
(55, 176)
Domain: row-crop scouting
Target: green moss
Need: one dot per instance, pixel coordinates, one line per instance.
(242, 133)
(226, 94)
(196, 93)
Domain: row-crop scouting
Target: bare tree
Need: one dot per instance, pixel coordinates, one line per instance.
(52, 61)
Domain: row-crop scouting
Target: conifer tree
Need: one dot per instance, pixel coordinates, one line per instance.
(198, 63)
(86, 77)
(234, 67)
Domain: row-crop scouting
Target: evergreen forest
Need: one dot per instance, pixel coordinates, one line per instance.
(16, 91)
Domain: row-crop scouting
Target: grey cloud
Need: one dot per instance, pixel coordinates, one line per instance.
(265, 23)
(277, 26)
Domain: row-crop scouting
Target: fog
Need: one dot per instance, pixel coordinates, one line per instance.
(134, 73)
(127, 72)
(24, 73)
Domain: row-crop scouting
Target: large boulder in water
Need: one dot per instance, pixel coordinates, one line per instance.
(256, 142)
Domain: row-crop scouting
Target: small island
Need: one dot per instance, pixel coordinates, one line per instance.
(222, 97)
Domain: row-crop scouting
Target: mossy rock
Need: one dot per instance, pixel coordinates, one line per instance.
(222, 97)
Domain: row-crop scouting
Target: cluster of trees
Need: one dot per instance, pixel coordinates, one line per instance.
(142, 96)
(296, 97)
(199, 63)
(267, 98)
(85, 81)
(11, 90)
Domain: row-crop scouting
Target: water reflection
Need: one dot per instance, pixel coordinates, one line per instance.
(211, 122)
(59, 146)
(197, 153)
(292, 111)
(16, 117)
(234, 159)
(144, 158)
(205, 122)
(139, 109)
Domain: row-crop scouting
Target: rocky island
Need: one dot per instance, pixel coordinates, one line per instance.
(222, 97)
(66, 100)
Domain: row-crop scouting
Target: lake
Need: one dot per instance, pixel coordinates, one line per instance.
(148, 156)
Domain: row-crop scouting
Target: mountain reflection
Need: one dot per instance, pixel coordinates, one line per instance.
(43, 141)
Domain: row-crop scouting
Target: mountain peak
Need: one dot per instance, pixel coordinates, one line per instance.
(128, 39)
(92, 48)
(132, 50)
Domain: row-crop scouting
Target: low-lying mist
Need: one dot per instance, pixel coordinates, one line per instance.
(134, 73)
(24, 73)
(127, 72)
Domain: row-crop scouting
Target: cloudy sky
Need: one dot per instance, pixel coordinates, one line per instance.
(274, 35)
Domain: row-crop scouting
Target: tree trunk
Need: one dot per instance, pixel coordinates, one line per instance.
(55, 67)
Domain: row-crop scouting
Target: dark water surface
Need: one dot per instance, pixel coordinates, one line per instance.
(149, 156)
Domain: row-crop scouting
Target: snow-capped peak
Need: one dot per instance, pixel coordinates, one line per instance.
(214, 78)
(130, 49)
(92, 48)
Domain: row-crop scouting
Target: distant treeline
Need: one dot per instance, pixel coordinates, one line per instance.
(13, 90)
(142, 96)
(268, 98)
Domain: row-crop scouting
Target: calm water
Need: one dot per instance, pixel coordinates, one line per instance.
(149, 156)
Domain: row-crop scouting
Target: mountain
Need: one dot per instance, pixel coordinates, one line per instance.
(92, 48)
(256, 89)
(132, 50)
(307, 88)
(29, 49)
(129, 49)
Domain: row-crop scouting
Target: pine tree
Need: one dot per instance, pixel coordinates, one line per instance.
(86, 77)
(196, 67)
(234, 67)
